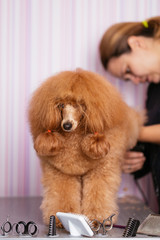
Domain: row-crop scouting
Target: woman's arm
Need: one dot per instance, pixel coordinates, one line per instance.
(150, 134)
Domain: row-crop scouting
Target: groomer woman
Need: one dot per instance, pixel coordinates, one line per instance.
(131, 51)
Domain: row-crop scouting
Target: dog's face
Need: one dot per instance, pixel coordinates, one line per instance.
(72, 115)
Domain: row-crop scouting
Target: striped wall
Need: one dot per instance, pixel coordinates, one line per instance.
(39, 38)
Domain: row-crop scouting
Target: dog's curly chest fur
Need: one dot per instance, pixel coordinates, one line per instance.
(70, 159)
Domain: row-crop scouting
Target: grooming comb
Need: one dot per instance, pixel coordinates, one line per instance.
(131, 228)
(76, 224)
(52, 226)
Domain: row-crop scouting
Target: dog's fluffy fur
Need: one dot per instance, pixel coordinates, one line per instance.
(81, 129)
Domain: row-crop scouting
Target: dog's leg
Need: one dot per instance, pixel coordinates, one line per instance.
(62, 193)
(100, 193)
(100, 185)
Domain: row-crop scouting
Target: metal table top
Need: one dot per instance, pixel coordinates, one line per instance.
(27, 209)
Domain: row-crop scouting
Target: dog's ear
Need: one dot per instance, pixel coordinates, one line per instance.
(94, 120)
(50, 115)
(43, 113)
(95, 146)
(48, 144)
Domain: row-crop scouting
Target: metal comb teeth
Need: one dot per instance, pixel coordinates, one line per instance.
(52, 226)
(131, 228)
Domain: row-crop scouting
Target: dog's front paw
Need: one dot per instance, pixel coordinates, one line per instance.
(95, 145)
(48, 143)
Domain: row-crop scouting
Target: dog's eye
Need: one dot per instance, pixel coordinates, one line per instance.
(83, 107)
(61, 105)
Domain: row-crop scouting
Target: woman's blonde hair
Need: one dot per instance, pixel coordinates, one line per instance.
(115, 40)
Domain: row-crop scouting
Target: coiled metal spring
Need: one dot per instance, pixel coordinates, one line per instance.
(131, 228)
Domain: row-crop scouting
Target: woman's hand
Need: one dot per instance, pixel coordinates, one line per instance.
(133, 161)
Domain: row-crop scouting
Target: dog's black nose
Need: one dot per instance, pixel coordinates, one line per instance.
(67, 126)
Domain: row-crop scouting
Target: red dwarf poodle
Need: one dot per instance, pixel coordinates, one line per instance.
(81, 129)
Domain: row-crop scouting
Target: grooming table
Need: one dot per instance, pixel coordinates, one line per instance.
(27, 209)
